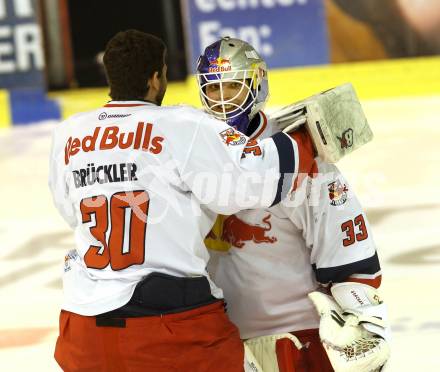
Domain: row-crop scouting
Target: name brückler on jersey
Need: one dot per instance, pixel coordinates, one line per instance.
(112, 137)
(107, 173)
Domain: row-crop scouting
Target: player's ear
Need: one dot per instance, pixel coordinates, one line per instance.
(154, 81)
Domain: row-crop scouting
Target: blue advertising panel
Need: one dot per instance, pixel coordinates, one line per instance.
(285, 32)
(21, 53)
(22, 64)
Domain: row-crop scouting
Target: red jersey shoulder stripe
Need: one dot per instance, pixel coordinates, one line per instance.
(262, 127)
(374, 280)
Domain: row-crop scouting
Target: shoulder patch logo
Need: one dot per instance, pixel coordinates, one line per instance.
(231, 137)
(337, 193)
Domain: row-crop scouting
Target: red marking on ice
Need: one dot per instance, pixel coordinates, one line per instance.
(23, 337)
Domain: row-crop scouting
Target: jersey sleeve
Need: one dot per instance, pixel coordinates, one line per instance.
(58, 181)
(335, 229)
(227, 172)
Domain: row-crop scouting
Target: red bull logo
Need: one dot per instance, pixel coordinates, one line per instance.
(219, 65)
(337, 193)
(237, 232)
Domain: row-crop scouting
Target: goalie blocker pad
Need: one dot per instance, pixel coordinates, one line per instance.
(334, 119)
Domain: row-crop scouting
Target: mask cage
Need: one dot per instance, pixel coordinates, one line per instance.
(248, 79)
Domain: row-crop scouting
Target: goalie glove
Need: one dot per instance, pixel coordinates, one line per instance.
(333, 118)
(352, 327)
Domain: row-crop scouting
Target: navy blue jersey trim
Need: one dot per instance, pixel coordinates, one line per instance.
(286, 155)
(341, 273)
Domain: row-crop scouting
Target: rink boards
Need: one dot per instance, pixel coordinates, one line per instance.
(372, 80)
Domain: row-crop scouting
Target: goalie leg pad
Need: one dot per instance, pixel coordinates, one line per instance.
(262, 351)
(251, 363)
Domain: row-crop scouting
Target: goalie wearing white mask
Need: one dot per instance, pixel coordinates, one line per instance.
(233, 82)
(277, 266)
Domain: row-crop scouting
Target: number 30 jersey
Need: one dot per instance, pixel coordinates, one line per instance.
(130, 179)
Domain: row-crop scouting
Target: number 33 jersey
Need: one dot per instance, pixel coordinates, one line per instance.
(268, 260)
(130, 179)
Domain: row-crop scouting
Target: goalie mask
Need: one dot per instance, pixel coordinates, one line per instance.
(232, 80)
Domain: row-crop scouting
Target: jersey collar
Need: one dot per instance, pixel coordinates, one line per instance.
(129, 103)
(258, 125)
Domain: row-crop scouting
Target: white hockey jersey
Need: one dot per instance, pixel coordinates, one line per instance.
(130, 179)
(268, 260)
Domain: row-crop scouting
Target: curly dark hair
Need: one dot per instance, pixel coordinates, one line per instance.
(131, 58)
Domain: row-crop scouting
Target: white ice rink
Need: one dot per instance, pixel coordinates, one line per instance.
(397, 178)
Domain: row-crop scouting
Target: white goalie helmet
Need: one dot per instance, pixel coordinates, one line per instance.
(230, 60)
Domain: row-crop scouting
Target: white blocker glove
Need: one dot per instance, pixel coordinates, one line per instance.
(334, 119)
